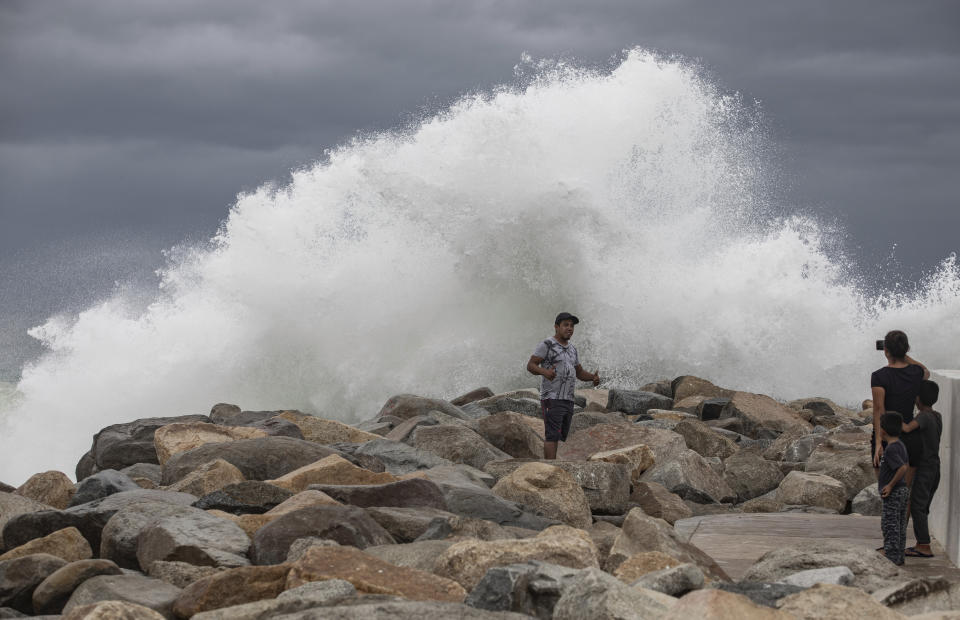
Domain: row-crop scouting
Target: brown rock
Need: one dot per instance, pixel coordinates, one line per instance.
(372, 575)
(580, 446)
(472, 396)
(54, 591)
(208, 478)
(639, 457)
(19, 577)
(333, 469)
(53, 488)
(603, 535)
(704, 440)
(638, 565)
(692, 476)
(68, 544)
(719, 605)
(813, 490)
(548, 489)
(405, 406)
(597, 397)
(180, 436)
(248, 523)
(12, 505)
(688, 385)
(657, 501)
(466, 562)
(757, 412)
(113, 610)
(303, 499)
(509, 431)
(827, 601)
(456, 443)
(320, 430)
(690, 404)
(181, 574)
(750, 475)
(849, 463)
(231, 587)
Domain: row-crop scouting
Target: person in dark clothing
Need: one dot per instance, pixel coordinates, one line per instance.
(893, 490)
(895, 388)
(927, 425)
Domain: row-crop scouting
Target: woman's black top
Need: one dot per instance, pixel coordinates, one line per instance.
(900, 388)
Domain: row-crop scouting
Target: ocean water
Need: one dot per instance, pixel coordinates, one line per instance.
(433, 258)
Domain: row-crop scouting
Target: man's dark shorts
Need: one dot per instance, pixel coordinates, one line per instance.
(557, 415)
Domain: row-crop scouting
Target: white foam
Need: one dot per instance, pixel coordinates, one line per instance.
(433, 260)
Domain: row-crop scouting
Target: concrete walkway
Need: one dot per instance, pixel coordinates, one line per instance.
(736, 541)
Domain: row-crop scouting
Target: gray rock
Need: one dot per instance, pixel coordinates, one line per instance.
(750, 475)
(221, 412)
(712, 408)
(705, 440)
(404, 431)
(327, 592)
(421, 554)
(799, 450)
(247, 497)
(472, 396)
(13, 505)
(302, 545)
(532, 588)
(689, 475)
(263, 458)
(21, 576)
(761, 593)
(634, 402)
(151, 593)
(526, 406)
(922, 595)
(407, 524)
(675, 581)
(392, 609)
(195, 537)
(377, 427)
(508, 432)
(409, 493)
(347, 525)
(181, 574)
(592, 593)
(54, 591)
(837, 575)
(478, 503)
(585, 419)
(307, 596)
(277, 427)
(456, 444)
(399, 458)
(150, 471)
(120, 535)
(100, 485)
(406, 406)
(868, 502)
(606, 485)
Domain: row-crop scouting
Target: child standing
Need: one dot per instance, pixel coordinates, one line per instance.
(893, 489)
(929, 425)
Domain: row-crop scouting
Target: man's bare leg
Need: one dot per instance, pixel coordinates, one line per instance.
(550, 450)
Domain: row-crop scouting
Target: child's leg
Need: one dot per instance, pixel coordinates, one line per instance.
(925, 484)
(904, 510)
(892, 524)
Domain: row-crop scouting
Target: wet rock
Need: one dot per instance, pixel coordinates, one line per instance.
(195, 537)
(691, 477)
(151, 593)
(276, 426)
(507, 431)
(120, 536)
(704, 440)
(812, 489)
(100, 485)
(120, 445)
(208, 478)
(53, 488)
(633, 402)
(524, 404)
(54, 591)
(548, 489)
(347, 525)
(68, 544)
(457, 444)
(411, 493)
(19, 578)
(247, 497)
(265, 458)
(593, 593)
(150, 471)
(831, 601)
(406, 406)
(399, 458)
(231, 587)
(675, 580)
(532, 588)
(750, 475)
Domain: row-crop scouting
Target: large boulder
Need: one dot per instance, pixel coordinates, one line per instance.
(851, 465)
(750, 475)
(120, 536)
(405, 406)
(720, 605)
(691, 477)
(306, 597)
(398, 458)
(641, 533)
(372, 575)
(507, 431)
(121, 445)
(53, 488)
(472, 396)
(457, 444)
(548, 489)
(760, 413)
(208, 478)
(101, 484)
(593, 593)
(54, 591)
(246, 497)
(686, 386)
(146, 591)
(320, 430)
(664, 444)
(67, 543)
(531, 588)
(21, 576)
(522, 403)
(644, 563)
(655, 500)
(182, 436)
(347, 525)
(466, 562)
(634, 402)
(333, 469)
(605, 485)
(867, 502)
(871, 570)
(825, 601)
(810, 489)
(704, 440)
(265, 458)
(13, 505)
(638, 459)
(195, 537)
(390, 608)
(420, 554)
(236, 586)
(412, 492)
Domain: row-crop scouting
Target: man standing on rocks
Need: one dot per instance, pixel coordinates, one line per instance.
(556, 361)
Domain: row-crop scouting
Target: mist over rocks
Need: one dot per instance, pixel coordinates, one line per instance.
(453, 510)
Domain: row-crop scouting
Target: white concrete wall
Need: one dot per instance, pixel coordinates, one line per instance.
(945, 511)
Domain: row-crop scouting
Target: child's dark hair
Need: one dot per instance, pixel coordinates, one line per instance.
(929, 392)
(896, 344)
(891, 422)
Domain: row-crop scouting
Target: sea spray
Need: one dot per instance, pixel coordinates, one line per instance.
(432, 259)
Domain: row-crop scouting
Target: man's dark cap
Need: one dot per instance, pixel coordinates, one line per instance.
(566, 316)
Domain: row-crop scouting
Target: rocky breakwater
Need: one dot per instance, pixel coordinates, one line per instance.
(437, 509)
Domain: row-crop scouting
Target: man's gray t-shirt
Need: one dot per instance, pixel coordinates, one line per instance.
(564, 360)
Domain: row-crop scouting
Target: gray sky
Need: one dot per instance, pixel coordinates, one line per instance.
(127, 126)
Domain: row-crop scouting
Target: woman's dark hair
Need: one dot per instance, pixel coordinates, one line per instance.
(891, 422)
(896, 344)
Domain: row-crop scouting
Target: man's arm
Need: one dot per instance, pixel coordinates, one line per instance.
(583, 375)
(910, 360)
(533, 367)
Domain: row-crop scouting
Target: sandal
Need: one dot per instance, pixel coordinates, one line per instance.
(913, 552)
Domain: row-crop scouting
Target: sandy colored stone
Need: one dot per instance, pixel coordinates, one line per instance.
(68, 544)
(303, 499)
(657, 501)
(113, 610)
(638, 565)
(689, 385)
(579, 446)
(12, 505)
(826, 601)
(548, 489)
(182, 436)
(597, 397)
(467, 561)
(320, 430)
(757, 411)
(146, 483)
(719, 605)
(248, 523)
(372, 575)
(812, 489)
(231, 587)
(53, 488)
(333, 469)
(639, 456)
(208, 478)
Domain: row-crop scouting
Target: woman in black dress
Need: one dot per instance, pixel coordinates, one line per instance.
(895, 388)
